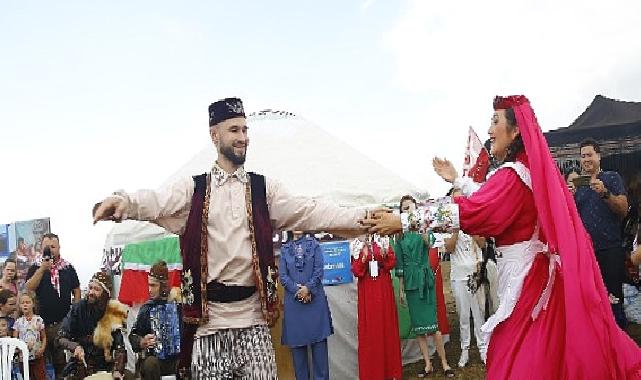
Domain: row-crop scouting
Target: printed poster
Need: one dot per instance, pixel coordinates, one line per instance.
(336, 260)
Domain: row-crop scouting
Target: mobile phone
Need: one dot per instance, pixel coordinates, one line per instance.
(582, 180)
(46, 253)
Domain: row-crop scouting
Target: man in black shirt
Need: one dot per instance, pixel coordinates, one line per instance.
(54, 281)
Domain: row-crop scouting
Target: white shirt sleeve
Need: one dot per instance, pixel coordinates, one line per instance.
(167, 206)
(298, 213)
(467, 185)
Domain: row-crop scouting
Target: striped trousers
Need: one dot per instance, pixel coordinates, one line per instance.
(235, 354)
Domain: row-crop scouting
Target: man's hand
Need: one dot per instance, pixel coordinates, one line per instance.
(112, 208)
(371, 214)
(79, 353)
(147, 341)
(46, 265)
(444, 168)
(384, 224)
(598, 186)
(572, 187)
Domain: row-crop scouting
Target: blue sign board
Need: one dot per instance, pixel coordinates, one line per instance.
(336, 263)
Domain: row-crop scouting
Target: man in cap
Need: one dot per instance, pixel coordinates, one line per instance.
(156, 330)
(81, 332)
(225, 219)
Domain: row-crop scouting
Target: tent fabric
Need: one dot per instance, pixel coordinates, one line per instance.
(605, 111)
(133, 231)
(343, 344)
(310, 162)
(603, 119)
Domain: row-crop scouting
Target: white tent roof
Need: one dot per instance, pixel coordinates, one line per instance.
(309, 161)
(305, 158)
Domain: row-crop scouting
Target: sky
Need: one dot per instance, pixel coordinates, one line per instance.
(97, 96)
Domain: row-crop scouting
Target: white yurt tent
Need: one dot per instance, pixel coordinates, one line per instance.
(308, 161)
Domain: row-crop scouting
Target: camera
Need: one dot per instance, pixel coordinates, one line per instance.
(583, 180)
(46, 253)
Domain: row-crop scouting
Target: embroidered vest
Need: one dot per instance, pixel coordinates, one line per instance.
(194, 251)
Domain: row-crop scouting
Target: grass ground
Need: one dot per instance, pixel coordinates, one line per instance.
(475, 368)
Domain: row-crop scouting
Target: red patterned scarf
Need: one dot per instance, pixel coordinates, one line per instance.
(55, 269)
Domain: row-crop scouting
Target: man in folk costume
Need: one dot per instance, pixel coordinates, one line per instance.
(92, 332)
(156, 332)
(225, 220)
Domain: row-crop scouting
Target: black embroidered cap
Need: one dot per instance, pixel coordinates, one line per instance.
(225, 109)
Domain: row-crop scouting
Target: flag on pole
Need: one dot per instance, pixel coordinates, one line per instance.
(477, 159)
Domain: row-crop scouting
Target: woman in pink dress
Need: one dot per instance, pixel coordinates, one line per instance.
(554, 319)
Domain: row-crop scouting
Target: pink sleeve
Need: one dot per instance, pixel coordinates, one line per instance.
(495, 206)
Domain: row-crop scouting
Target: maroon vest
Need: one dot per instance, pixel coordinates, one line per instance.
(194, 251)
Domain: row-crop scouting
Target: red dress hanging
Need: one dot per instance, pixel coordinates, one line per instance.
(379, 344)
(441, 309)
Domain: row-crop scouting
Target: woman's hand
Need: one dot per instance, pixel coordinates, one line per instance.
(444, 168)
(401, 293)
(364, 254)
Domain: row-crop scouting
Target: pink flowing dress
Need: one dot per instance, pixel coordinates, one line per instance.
(544, 328)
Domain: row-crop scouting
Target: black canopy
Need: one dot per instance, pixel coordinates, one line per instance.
(604, 119)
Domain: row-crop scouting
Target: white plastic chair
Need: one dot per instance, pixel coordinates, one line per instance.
(8, 347)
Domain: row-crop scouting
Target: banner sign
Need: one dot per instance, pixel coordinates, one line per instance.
(25, 238)
(4, 242)
(336, 263)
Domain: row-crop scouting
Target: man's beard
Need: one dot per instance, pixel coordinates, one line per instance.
(98, 303)
(228, 152)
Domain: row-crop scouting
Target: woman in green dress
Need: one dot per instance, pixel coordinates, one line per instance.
(417, 289)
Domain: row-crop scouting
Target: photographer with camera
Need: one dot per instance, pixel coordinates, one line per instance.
(601, 200)
(54, 280)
